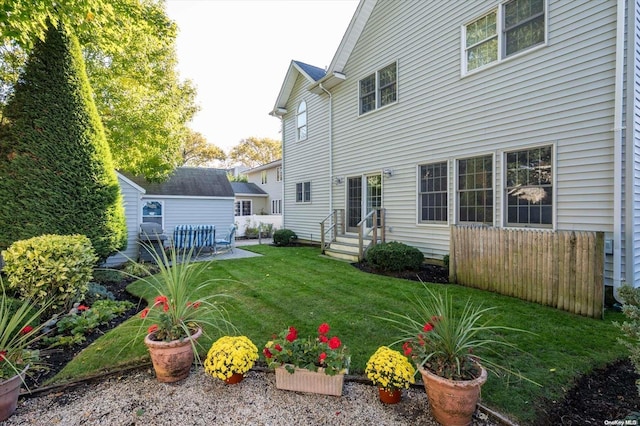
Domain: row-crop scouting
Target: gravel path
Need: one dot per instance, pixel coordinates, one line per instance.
(138, 399)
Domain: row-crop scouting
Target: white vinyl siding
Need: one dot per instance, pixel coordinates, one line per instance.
(561, 95)
(632, 206)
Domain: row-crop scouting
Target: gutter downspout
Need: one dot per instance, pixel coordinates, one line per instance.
(330, 149)
(618, 129)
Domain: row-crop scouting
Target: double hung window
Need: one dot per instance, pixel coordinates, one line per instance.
(379, 89)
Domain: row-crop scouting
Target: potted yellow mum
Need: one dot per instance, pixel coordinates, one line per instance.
(230, 357)
(391, 372)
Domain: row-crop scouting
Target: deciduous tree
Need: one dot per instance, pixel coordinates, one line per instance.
(196, 151)
(253, 152)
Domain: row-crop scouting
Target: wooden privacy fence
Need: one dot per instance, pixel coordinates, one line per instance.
(563, 269)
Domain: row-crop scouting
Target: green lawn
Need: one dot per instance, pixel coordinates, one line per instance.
(295, 286)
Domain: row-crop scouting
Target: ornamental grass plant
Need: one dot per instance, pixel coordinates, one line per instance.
(230, 355)
(390, 370)
(290, 351)
(185, 301)
(449, 343)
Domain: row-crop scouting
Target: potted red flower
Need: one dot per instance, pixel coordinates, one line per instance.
(313, 364)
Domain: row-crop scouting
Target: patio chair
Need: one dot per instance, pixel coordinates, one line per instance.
(228, 241)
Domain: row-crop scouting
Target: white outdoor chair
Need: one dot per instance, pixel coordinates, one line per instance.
(228, 241)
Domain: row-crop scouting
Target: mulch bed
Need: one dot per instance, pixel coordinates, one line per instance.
(608, 393)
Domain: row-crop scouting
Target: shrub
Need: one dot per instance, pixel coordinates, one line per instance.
(631, 328)
(56, 171)
(394, 256)
(284, 237)
(107, 276)
(96, 292)
(53, 267)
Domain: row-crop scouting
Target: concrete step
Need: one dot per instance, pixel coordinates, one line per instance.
(348, 247)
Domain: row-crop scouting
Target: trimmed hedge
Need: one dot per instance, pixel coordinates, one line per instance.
(51, 267)
(394, 256)
(56, 171)
(284, 237)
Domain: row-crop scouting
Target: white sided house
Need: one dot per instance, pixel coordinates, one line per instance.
(516, 115)
(190, 196)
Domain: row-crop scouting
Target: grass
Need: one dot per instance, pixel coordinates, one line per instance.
(295, 286)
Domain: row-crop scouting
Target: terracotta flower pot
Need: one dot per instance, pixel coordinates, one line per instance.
(390, 396)
(9, 393)
(235, 378)
(452, 402)
(171, 360)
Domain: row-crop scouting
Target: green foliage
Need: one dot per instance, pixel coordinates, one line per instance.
(284, 237)
(97, 292)
(445, 261)
(73, 328)
(631, 327)
(394, 256)
(129, 46)
(197, 152)
(107, 276)
(56, 172)
(51, 267)
(254, 152)
(139, 269)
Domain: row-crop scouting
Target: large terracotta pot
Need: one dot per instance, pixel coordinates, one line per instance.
(9, 393)
(171, 360)
(452, 402)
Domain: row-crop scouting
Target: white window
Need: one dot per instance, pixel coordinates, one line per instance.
(529, 187)
(379, 89)
(279, 174)
(475, 190)
(264, 176)
(243, 208)
(515, 26)
(433, 193)
(152, 212)
(303, 192)
(301, 121)
(276, 206)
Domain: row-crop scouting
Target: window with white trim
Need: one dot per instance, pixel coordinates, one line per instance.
(303, 192)
(529, 187)
(243, 208)
(279, 174)
(152, 212)
(276, 206)
(433, 193)
(301, 121)
(475, 190)
(513, 27)
(379, 89)
(264, 177)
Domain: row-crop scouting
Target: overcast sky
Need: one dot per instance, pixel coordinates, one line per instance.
(237, 53)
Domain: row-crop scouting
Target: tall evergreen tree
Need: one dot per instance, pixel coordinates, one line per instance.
(56, 171)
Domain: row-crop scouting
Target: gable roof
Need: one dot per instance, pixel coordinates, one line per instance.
(311, 73)
(188, 182)
(245, 188)
(271, 165)
(320, 79)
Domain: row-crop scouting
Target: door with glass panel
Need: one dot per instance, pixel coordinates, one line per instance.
(364, 194)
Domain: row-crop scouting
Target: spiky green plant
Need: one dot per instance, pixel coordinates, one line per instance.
(449, 342)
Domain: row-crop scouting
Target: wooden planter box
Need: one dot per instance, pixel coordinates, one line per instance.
(303, 380)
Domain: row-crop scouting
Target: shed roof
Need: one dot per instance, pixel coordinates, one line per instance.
(189, 182)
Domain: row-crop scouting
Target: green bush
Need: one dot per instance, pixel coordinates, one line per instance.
(107, 276)
(284, 237)
(96, 292)
(631, 328)
(394, 256)
(52, 267)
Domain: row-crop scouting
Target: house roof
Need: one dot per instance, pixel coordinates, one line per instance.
(320, 79)
(267, 166)
(188, 182)
(245, 188)
(310, 72)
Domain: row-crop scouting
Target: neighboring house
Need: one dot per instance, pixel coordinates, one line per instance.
(514, 114)
(260, 199)
(191, 196)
